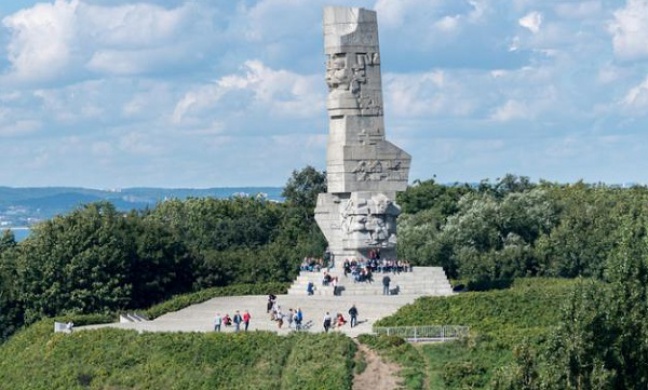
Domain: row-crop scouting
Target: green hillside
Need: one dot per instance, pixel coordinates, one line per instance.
(36, 358)
(116, 359)
(499, 322)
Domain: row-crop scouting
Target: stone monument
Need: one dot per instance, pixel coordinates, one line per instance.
(364, 170)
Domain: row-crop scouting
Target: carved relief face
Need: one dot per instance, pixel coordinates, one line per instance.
(337, 73)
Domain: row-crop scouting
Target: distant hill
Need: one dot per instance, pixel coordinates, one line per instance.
(25, 206)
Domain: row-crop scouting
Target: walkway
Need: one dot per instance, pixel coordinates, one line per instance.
(199, 317)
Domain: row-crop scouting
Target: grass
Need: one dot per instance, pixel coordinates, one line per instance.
(37, 358)
(498, 321)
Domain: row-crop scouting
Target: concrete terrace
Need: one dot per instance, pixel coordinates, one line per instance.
(372, 307)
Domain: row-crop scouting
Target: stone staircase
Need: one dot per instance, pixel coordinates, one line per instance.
(419, 281)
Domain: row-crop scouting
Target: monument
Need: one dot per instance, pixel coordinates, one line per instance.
(364, 171)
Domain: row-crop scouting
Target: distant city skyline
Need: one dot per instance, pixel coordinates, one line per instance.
(200, 94)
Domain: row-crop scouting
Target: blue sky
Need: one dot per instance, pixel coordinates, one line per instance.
(114, 94)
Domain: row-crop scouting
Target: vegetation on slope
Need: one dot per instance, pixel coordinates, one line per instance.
(499, 320)
(118, 359)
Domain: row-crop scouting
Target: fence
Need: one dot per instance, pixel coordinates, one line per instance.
(424, 333)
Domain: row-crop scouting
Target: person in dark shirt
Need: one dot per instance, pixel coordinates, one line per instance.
(386, 280)
(353, 313)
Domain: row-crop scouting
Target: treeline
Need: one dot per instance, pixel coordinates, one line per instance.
(97, 259)
(496, 232)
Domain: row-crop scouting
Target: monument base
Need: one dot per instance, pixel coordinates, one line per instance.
(358, 224)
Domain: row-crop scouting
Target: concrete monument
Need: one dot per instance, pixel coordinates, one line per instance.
(364, 170)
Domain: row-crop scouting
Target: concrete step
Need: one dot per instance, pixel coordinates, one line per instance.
(420, 281)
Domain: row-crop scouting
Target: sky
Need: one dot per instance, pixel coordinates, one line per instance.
(224, 93)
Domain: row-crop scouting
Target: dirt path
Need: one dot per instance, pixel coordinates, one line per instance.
(379, 375)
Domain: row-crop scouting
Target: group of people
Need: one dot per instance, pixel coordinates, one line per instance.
(362, 270)
(329, 280)
(312, 264)
(277, 314)
(237, 321)
(339, 320)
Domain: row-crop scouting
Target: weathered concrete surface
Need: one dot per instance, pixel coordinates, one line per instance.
(364, 170)
(199, 317)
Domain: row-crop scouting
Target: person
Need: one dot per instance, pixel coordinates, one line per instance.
(279, 317)
(340, 320)
(334, 283)
(237, 321)
(353, 313)
(271, 301)
(217, 322)
(347, 267)
(386, 280)
(310, 288)
(326, 279)
(246, 319)
(299, 317)
(327, 322)
(227, 320)
(290, 317)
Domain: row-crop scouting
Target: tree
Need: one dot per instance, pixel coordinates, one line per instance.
(303, 186)
(601, 341)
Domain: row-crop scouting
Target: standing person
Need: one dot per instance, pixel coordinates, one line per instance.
(237, 321)
(386, 280)
(353, 313)
(327, 322)
(217, 322)
(299, 317)
(246, 319)
(279, 317)
(310, 288)
(290, 317)
(271, 301)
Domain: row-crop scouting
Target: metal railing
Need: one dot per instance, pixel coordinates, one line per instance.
(425, 332)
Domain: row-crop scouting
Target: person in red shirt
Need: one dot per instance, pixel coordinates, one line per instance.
(246, 319)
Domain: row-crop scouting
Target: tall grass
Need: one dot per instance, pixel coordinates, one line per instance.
(498, 321)
(37, 358)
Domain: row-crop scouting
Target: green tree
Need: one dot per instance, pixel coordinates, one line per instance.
(601, 341)
(303, 186)
(578, 354)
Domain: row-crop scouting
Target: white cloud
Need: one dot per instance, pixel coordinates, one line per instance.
(50, 41)
(629, 30)
(42, 38)
(511, 110)
(637, 97)
(580, 9)
(393, 13)
(531, 21)
(19, 127)
(448, 23)
(140, 144)
(278, 91)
